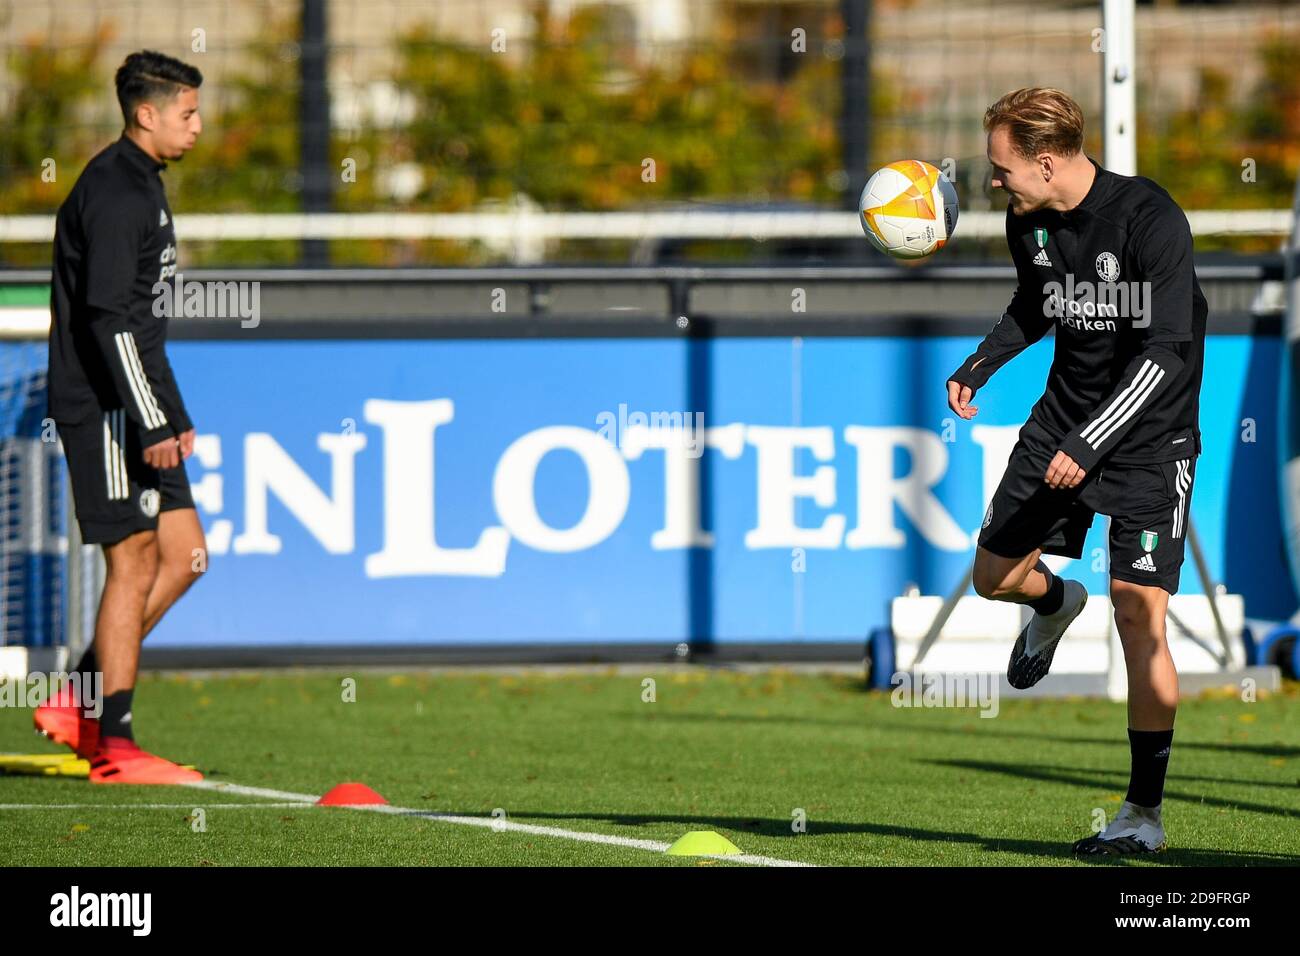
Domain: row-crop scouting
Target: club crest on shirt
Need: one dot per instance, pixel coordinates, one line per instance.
(1108, 267)
(149, 501)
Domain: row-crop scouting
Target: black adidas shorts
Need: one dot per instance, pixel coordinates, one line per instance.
(116, 494)
(1148, 506)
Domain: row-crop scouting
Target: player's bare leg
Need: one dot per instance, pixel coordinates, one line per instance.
(146, 572)
(132, 568)
(133, 576)
(182, 556)
(109, 665)
(1152, 704)
(1152, 680)
(1056, 603)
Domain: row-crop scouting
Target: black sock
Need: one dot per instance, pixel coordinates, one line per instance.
(87, 666)
(1050, 602)
(80, 682)
(1150, 750)
(116, 719)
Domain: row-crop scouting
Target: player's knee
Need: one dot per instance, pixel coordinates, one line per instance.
(1137, 631)
(984, 584)
(186, 565)
(137, 577)
(147, 566)
(191, 570)
(996, 585)
(1136, 618)
(134, 559)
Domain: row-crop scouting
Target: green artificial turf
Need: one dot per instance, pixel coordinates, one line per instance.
(741, 753)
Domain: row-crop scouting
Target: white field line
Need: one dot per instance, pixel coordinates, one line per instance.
(221, 787)
(496, 824)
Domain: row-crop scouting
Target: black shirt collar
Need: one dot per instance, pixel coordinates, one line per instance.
(138, 156)
(1096, 192)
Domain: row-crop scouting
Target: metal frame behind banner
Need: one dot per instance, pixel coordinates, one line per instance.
(85, 585)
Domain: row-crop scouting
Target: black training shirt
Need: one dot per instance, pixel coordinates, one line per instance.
(1114, 276)
(113, 243)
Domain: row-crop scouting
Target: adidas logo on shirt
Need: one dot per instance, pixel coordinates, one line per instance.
(1041, 259)
(1145, 563)
(162, 217)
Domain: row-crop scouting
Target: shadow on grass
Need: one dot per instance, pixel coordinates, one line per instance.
(982, 728)
(776, 827)
(1117, 740)
(1074, 778)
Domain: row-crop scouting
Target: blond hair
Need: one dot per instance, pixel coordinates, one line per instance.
(1038, 120)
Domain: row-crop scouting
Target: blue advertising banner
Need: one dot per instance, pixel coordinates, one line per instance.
(429, 491)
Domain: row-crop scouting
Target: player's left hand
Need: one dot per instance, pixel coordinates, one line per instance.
(186, 440)
(1063, 472)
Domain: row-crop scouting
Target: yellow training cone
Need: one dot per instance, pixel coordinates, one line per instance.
(46, 765)
(703, 843)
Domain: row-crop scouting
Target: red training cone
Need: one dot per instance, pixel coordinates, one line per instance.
(350, 794)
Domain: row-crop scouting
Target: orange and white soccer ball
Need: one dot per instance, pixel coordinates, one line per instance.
(908, 209)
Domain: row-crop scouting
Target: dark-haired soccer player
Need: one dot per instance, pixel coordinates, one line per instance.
(1107, 260)
(118, 409)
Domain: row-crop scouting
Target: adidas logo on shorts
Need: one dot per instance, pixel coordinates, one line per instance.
(1145, 563)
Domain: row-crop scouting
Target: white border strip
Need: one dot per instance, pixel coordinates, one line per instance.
(496, 824)
(24, 322)
(528, 224)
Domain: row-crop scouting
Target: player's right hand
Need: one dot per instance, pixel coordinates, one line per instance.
(959, 399)
(165, 454)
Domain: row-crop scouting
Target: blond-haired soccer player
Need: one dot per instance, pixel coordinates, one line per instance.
(1106, 261)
